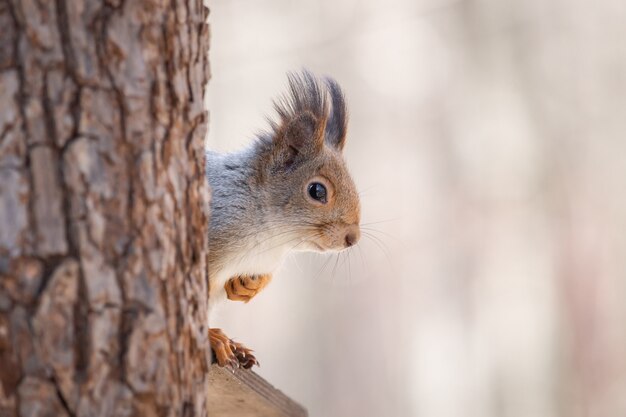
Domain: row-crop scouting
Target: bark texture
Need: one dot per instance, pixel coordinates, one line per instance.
(103, 275)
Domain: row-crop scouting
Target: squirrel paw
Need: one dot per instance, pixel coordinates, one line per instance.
(244, 287)
(229, 352)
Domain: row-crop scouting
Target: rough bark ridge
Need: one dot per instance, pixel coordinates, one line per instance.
(103, 280)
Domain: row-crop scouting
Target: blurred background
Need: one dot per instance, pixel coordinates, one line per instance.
(488, 139)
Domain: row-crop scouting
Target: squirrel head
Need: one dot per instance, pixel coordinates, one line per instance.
(303, 171)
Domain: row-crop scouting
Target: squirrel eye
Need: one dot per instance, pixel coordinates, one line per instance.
(317, 192)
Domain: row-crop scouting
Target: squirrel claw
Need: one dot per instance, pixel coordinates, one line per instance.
(244, 355)
(230, 353)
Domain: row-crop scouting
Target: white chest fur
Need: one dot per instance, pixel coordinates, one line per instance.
(261, 255)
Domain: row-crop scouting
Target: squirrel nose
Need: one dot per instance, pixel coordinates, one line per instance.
(352, 236)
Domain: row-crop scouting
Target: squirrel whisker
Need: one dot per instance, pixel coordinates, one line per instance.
(289, 190)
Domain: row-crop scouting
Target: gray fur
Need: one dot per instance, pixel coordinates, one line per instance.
(262, 189)
(337, 125)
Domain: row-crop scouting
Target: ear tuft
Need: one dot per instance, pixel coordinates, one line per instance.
(305, 95)
(305, 121)
(303, 113)
(337, 125)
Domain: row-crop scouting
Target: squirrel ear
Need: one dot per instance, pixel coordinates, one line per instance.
(337, 125)
(303, 114)
(304, 134)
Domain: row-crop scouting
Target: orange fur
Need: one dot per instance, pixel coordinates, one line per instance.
(229, 352)
(245, 287)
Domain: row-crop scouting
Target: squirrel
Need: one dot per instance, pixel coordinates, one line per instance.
(289, 191)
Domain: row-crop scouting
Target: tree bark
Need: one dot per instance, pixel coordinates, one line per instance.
(103, 273)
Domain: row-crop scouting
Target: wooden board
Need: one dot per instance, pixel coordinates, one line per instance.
(242, 393)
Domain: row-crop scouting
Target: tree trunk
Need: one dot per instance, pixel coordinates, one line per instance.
(103, 274)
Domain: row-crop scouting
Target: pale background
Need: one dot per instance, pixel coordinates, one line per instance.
(489, 140)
